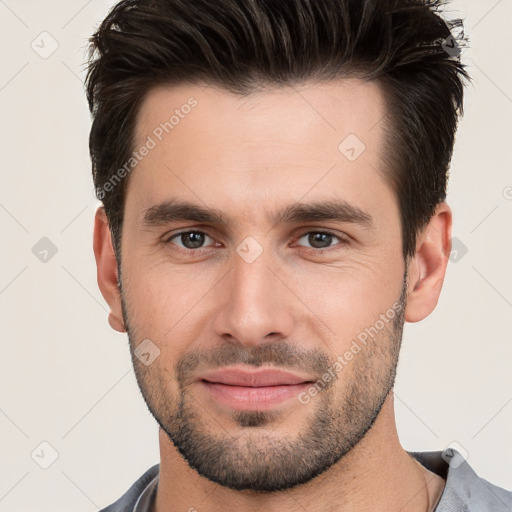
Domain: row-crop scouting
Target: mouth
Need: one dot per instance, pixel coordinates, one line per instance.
(253, 390)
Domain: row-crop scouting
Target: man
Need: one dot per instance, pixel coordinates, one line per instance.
(273, 179)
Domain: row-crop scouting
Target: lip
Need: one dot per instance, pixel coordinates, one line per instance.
(258, 378)
(253, 390)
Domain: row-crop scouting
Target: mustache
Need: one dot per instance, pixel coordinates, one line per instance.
(279, 354)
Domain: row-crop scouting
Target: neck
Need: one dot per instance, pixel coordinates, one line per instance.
(378, 475)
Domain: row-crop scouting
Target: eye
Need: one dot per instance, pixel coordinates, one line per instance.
(321, 239)
(194, 240)
(189, 240)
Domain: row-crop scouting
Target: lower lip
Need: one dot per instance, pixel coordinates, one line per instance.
(252, 398)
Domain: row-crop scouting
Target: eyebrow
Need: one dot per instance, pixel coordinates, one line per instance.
(330, 210)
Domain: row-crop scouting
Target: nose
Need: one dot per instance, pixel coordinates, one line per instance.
(255, 304)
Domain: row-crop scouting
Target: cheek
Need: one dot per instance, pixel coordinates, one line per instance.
(167, 306)
(157, 291)
(347, 299)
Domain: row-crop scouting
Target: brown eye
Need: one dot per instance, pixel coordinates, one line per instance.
(189, 240)
(321, 239)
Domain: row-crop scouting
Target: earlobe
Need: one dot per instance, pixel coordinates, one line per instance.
(115, 322)
(428, 266)
(106, 265)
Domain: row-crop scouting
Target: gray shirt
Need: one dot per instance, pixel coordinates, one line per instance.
(464, 490)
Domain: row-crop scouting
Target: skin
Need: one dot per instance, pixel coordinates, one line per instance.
(250, 157)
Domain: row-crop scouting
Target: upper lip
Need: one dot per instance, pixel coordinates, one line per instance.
(258, 378)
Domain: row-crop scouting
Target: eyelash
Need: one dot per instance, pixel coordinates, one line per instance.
(342, 241)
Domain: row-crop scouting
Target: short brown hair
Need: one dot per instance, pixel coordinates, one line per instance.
(244, 44)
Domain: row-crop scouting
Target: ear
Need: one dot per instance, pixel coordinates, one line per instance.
(106, 264)
(427, 267)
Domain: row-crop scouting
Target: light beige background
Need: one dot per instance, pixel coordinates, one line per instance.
(66, 377)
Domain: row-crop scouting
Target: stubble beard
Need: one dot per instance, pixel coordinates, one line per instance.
(258, 455)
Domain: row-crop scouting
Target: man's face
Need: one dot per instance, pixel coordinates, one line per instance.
(274, 287)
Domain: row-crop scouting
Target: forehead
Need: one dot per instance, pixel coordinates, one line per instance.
(308, 112)
(211, 146)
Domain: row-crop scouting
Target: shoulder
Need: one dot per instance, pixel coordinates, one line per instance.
(465, 491)
(127, 501)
